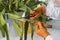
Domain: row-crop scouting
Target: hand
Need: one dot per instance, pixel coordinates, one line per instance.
(37, 12)
(40, 30)
(34, 14)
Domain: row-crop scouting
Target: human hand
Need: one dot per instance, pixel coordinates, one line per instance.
(40, 30)
(37, 12)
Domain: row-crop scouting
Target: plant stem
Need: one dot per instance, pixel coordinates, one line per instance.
(26, 29)
(9, 7)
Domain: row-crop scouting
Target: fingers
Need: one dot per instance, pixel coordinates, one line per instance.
(43, 9)
(40, 24)
(40, 30)
(37, 15)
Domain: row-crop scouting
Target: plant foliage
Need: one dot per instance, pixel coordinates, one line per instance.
(11, 8)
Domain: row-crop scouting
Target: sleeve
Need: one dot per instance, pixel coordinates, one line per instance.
(49, 38)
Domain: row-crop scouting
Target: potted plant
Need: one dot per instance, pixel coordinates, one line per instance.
(12, 9)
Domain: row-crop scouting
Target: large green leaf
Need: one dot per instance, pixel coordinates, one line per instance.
(3, 27)
(26, 1)
(3, 12)
(0, 1)
(13, 16)
(21, 19)
(21, 4)
(17, 3)
(2, 30)
(16, 27)
(2, 19)
(27, 13)
(16, 13)
(33, 3)
(6, 31)
(23, 9)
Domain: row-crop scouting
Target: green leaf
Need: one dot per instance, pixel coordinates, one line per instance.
(22, 9)
(17, 3)
(15, 12)
(2, 20)
(13, 16)
(16, 28)
(26, 30)
(3, 27)
(2, 30)
(27, 13)
(34, 3)
(3, 12)
(27, 1)
(6, 31)
(0, 1)
(21, 19)
(21, 4)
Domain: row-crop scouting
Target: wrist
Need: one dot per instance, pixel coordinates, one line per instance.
(49, 37)
(46, 35)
